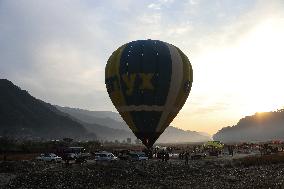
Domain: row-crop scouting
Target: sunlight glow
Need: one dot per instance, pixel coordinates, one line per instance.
(246, 76)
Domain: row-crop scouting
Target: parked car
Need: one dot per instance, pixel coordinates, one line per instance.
(198, 155)
(122, 154)
(138, 156)
(49, 157)
(174, 155)
(105, 156)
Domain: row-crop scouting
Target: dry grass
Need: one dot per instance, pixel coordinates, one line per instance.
(19, 156)
(260, 160)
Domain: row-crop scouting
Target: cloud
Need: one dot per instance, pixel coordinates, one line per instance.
(154, 6)
(58, 50)
(54, 49)
(158, 5)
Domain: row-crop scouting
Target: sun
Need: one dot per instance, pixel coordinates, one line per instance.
(261, 69)
(260, 100)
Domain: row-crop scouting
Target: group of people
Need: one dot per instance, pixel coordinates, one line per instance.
(165, 156)
(185, 156)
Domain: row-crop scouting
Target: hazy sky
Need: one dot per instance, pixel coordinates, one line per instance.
(57, 50)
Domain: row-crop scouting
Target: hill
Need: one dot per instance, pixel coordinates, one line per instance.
(106, 124)
(23, 116)
(258, 127)
(116, 129)
(103, 118)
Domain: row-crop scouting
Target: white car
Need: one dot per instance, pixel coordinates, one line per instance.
(50, 157)
(105, 156)
(173, 155)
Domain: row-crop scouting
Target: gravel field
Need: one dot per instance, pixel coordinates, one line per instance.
(212, 173)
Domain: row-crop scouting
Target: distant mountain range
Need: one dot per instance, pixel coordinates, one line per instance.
(258, 127)
(106, 118)
(112, 120)
(23, 116)
(104, 124)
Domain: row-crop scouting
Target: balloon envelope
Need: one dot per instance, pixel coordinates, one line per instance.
(148, 82)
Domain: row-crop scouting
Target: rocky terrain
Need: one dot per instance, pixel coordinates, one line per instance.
(212, 173)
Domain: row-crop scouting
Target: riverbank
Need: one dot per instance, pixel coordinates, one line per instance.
(208, 173)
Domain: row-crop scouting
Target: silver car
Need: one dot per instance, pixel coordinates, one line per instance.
(49, 157)
(105, 156)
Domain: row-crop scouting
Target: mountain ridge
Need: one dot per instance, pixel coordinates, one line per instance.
(258, 127)
(24, 116)
(170, 135)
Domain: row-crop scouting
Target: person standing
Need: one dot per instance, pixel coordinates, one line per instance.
(167, 156)
(231, 150)
(186, 158)
(163, 155)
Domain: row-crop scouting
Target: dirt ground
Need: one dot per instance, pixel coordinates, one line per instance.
(208, 173)
(19, 156)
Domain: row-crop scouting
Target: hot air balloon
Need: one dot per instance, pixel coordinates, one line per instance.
(148, 82)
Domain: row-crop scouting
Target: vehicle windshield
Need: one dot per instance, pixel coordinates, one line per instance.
(141, 155)
(102, 155)
(138, 155)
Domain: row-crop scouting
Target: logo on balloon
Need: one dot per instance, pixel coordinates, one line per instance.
(129, 80)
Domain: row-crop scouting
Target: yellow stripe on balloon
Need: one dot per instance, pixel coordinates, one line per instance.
(187, 76)
(112, 71)
(116, 96)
